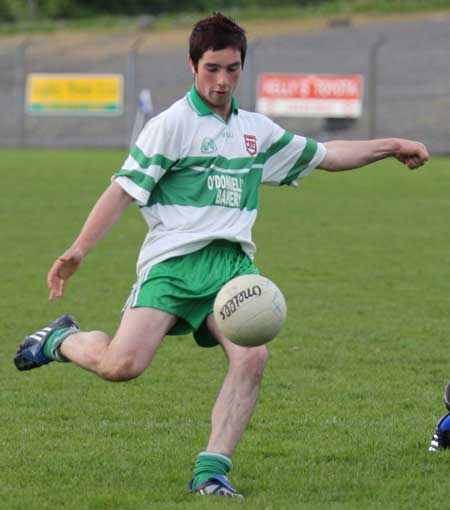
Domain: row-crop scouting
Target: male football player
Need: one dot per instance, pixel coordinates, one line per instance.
(195, 172)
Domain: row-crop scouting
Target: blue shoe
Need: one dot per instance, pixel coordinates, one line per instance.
(217, 485)
(30, 353)
(441, 435)
(441, 438)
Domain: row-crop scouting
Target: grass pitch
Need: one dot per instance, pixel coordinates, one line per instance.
(352, 389)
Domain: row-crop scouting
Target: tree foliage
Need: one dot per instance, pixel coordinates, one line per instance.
(13, 10)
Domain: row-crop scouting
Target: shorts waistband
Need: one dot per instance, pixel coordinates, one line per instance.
(223, 243)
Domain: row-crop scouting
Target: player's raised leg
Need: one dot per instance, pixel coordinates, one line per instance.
(31, 352)
(230, 416)
(120, 358)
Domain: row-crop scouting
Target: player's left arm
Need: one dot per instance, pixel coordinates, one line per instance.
(347, 155)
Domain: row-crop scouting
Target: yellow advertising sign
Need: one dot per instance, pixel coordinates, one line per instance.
(74, 93)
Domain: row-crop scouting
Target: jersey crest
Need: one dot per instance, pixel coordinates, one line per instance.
(208, 145)
(250, 144)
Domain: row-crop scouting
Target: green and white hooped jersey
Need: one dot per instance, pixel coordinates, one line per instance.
(196, 177)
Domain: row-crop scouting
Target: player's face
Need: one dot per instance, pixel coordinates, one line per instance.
(216, 78)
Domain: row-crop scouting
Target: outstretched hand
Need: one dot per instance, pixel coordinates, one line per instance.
(412, 154)
(62, 269)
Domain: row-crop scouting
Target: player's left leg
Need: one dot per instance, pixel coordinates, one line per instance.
(231, 414)
(238, 395)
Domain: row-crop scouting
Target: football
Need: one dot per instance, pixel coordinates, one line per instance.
(250, 310)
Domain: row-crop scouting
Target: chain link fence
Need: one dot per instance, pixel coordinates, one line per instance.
(405, 67)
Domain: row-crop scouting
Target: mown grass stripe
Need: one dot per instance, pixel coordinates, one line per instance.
(366, 341)
(70, 106)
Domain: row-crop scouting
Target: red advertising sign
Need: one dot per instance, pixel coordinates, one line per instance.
(310, 95)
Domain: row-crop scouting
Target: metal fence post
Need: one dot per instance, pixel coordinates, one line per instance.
(131, 83)
(19, 88)
(373, 85)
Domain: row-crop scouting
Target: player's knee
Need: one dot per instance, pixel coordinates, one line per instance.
(259, 358)
(253, 361)
(121, 370)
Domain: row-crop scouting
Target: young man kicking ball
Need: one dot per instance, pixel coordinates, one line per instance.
(195, 173)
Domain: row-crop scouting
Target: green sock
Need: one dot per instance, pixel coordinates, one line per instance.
(51, 346)
(209, 464)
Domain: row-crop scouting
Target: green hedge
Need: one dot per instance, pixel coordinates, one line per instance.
(12, 10)
(19, 10)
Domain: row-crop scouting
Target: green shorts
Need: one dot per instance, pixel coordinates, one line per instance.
(186, 286)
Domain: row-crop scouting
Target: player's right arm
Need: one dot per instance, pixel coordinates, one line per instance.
(108, 209)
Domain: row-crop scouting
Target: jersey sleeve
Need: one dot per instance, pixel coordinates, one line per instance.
(156, 151)
(290, 157)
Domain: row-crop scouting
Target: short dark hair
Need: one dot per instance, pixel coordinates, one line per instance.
(216, 32)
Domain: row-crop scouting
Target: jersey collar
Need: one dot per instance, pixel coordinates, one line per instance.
(202, 108)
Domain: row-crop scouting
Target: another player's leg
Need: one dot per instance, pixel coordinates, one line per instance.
(117, 359)
(230, 416)
(441, 435)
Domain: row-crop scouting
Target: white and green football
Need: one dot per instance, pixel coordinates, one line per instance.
(250, 310)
